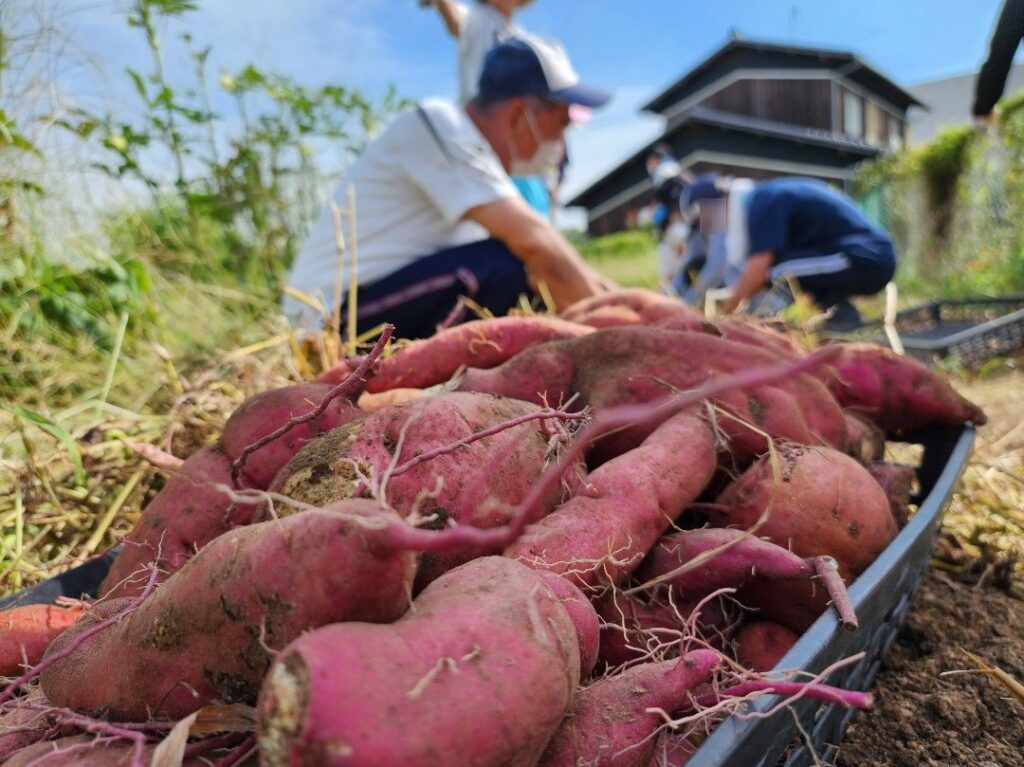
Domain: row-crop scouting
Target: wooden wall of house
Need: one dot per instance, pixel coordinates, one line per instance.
(807, 103)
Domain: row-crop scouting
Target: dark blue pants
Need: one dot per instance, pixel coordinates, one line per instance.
(422, 295)
(857, 267)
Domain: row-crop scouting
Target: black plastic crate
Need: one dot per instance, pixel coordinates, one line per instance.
(881, 597)
(968, 330)
(83, 580)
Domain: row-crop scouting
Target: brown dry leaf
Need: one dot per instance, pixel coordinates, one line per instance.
(1016, 688)
(206, 721)
(235, 717)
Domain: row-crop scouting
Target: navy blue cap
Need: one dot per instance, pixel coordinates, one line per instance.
(706, 187)
(531, 66)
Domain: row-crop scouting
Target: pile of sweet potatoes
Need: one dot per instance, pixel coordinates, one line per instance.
(604, 522)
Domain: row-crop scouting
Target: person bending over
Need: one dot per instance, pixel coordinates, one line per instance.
(803, 230)
(437, 215)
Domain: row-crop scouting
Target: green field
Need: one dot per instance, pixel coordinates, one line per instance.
(627, 257)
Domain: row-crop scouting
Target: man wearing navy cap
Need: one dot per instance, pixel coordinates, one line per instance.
(804, 230)
(437, 214)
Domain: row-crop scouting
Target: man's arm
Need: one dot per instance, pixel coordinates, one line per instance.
(451, 13)
(751, 281)
(1006, 39)
(541, 248)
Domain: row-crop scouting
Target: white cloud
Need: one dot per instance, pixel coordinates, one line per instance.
(314, 41)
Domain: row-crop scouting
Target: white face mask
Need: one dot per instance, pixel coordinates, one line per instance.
(545, 160)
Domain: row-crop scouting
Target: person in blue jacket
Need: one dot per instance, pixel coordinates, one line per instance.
(803, 230)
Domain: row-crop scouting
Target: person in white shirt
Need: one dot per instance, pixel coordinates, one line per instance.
(437, 215)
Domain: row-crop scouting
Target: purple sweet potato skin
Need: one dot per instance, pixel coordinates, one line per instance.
(897, 393)
(741, 558)
(640, 364)
(189, 512)
(584, 619)
(22, 726)
(761, 645)
(479, 344)
(203, 635)
(480, 672)
(632, 629)
(826, 504)
(476, 485)
(264, 413)
(611, 725)
(649, 306)
(602, 533)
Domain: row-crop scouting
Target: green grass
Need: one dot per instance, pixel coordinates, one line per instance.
(629, 258)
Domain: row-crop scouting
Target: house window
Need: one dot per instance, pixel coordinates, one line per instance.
(875, 124)
(895, 133)
(853, 115)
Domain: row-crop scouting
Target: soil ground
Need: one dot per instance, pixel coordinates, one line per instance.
(923, 718)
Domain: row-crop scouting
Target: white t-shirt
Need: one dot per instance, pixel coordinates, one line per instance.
(737, 234)
(480, 28)
(410, 195)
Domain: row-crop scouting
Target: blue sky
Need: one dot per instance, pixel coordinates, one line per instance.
(633, 48)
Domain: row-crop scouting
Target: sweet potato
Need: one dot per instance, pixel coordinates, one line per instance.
(478, 344)
(761, 645)
(263, 413)
(611, 317)
(694, 563)
(637, 364)
(897, 482)
(745, 331)
(190, 511)
(206, 633)
(633, 629)
(22, 723)
(194, 506)
(651, 306)
(480, 672)
(584, 619)
(477, 484)
(826, 504)
(372, 403)
(613, 720)
(897, 393)
(26, 632)
(602, 533)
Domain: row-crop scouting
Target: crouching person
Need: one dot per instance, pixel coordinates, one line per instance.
(804, 231)
(437, 215)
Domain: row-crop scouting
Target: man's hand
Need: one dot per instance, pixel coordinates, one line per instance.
(542, 249)
(751, 281)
